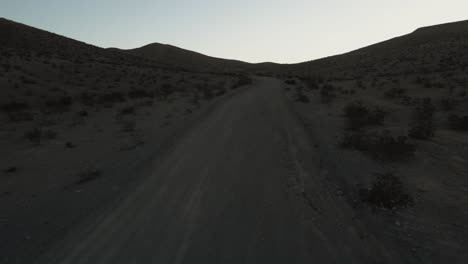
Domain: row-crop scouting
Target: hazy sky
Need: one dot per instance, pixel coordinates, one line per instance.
(284, 31)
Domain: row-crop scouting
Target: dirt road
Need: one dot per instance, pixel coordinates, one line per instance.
(244, 186)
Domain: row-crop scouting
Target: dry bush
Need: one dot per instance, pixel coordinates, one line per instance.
(423, 121)
(395, 92)
(59, 105)
(327, 93)
(386, 192)
(359, 116)
(140, 93)
(300, 96)
(128, 110)
(379, 145)
(90, 174)
(36, 135)
(241, 80)
(459, 123)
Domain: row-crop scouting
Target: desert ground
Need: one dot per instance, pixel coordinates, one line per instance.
(162, 155)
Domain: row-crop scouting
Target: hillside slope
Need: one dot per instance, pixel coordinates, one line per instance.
(439, 48)
(170, 55)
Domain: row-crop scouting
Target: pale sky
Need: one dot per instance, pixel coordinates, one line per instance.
(283, 31)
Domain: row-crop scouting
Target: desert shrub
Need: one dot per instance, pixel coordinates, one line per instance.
(360, 84)
(459, 123)
(83, 113)
(111, 98)
(447, 104)
(207, 92)
(128, 126)
(11, 169)
(15, 106)
(59, 105)
(27, 80)
(33, 135)
(128, 110)
(90, 174)
(359, 116)
(196, 98)
(36, 135)
(300, 96)
(242, 80)
(395, 92)
(140, 93)
(379, 145)
(20, 116)
(386, 192)
(327, 93)
(311, 83)
(165, 90)
(88, 99)
(423, 121)
(220, 91)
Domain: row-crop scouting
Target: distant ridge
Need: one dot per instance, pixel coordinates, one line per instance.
(425, 49)
(172, 55)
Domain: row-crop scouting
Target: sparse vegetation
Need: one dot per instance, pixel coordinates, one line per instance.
(380, 145)
(359, 116)
(90, 174)
(313, 83)
(128, 110)
(128, 126)
(165, 90)
(300, 96)
(423, 123)
(69, 145)
(140, 93)
(11, 169)
(15, 106)
(111, 98)
(59, 105)
(36, 135)
(327, 93)
(395, 92)
(242, 80)
(459, 123)
(386, 192)
(447, 104)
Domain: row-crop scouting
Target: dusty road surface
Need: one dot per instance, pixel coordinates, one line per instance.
(244, 186)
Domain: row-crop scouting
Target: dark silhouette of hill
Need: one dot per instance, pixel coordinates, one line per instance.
(436, 48)
(177, 57)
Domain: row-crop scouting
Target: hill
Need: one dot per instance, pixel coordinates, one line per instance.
(177, 57)
(439, 48)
